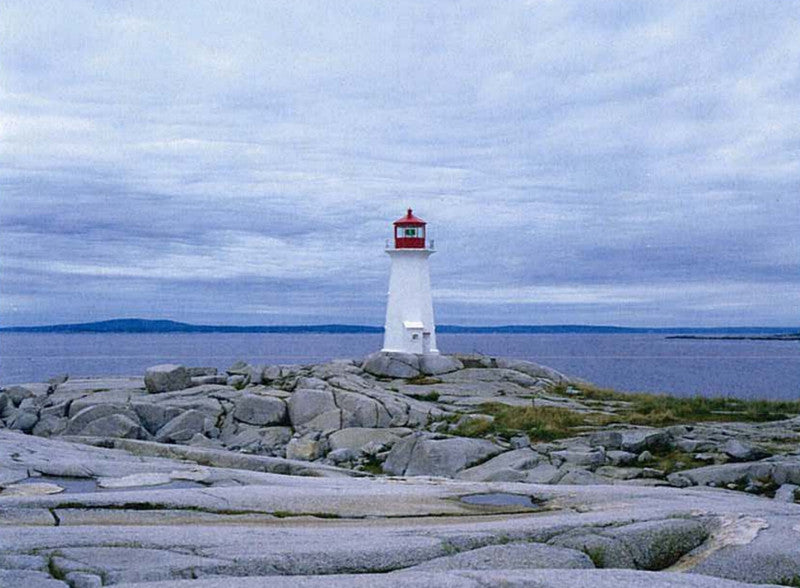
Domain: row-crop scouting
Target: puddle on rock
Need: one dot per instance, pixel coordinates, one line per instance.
(500, 499)
(87, 485)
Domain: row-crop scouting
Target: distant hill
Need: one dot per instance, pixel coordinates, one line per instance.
(134, 325)
(164, 326)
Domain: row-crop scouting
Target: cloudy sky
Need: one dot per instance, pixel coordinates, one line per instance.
(633, 163)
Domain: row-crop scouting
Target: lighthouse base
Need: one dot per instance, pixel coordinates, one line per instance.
(390, 364)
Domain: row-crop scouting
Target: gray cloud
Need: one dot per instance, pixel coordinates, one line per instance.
(602, 163)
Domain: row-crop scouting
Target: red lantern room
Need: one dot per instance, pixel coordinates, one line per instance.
(409, 232)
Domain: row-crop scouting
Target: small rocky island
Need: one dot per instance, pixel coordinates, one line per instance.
(397, 470)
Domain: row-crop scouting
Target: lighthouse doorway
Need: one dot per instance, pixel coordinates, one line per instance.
(426, 342)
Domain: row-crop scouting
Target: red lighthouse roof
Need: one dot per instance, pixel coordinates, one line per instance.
(409, 220)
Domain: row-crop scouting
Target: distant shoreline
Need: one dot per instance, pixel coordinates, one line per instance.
(786, 337)
(136, 325)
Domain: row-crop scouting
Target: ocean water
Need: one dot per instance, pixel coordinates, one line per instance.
(649, 363)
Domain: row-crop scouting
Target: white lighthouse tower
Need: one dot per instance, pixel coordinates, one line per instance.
(409, 324)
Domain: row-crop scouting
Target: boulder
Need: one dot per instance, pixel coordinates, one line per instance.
(606, 439)
(166, 378)
(574, 476)
(114, 425)
(182, 428)
(306, 448)
(306, 404)
(432, 365)
(220, 379)
(531, 369)
(544, 473)
(153, 416)
(694, 445)
(50, 425)
(6, 406)
(723, 474)
(237, 381)
(741, 451)
(787, 493)
(23, 420)
(506, 467)
(637, 441)
(270, 374)
(424, 454)
(16, 394)
(338, 456)
(621, 458)
(365, 411)
(355, 438)
(260, 410)
(80, 420)
(201, 371)
(392, 365)
(331, 420)
(618, 473)
(591, 458)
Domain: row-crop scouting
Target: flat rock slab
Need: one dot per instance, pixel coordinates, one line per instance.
(468, 579)
(135, 480)
(514, 556)
(32, 489)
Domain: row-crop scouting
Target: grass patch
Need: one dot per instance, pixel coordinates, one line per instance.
(423, 381)
(372, 466)
(474, 428)
(660, 410)
(431, 396)
(674, 461)
(540, 423)
(790, 581)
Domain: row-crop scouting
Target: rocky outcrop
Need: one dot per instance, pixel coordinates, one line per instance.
(422, 454)
(342, 413)
(387, 364)
(166, 378)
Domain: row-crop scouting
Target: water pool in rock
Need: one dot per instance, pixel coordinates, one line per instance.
(499, 499)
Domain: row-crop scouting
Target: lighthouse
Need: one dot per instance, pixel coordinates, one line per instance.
(409, 326)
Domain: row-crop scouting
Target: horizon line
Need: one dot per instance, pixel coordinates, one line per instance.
(331, 325)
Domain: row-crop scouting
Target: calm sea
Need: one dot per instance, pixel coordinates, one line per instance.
(745, 369)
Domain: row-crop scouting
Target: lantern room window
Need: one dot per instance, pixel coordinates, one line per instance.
(410, 232)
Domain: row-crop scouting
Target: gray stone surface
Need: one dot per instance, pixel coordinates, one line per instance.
(305, 404)
(512, 556)
(356, 438)
(591, 458)
(431, 455)
(182, 428)
(166, 377)
(639, 440)
(506, 467)
(392, 365)
(113, 425)
(260, 410)
(743, 451)
(232, 499)
(788, 493)
(433, 365)
(306, 448)
(531, 369)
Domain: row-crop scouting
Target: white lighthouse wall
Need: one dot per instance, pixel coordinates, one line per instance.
(410, 303)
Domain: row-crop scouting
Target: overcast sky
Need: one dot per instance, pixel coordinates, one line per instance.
(632, 163)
